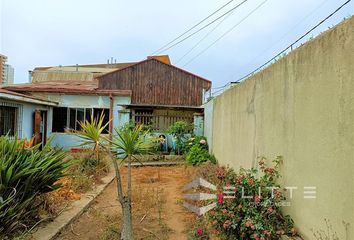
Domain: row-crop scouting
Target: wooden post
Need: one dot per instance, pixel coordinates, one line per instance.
(110, 116)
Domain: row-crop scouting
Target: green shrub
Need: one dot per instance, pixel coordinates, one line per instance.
(259, 215)
(24, 174)
(197, 155)
(197, 151)
(196, 140)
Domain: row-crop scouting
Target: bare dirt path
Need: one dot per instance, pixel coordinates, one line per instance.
(157, 209)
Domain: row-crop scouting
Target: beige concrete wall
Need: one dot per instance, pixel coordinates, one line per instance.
(301, 108)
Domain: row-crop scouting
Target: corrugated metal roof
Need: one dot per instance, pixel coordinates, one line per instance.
(4, 93)
(77, 87)
(74, 73)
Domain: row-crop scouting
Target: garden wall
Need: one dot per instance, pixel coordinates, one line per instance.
(301, 107)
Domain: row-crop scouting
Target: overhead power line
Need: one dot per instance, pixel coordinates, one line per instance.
(168, 46)
(205, 36)
(288, 32)
(190, 29)
(227, 32)
(296, 41)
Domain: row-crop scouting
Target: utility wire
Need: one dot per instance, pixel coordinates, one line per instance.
(299, 39)
(288, 32)
(290, 46)
(203, 38)
(227, 32)
(200, 29)
(196, 25)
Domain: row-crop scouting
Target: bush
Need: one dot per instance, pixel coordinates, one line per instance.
(24, 174)
(196, 140)
(197, 155)
(258, 217)
(86, 171)
(197, 151)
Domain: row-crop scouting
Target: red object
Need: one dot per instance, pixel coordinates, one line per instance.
(200, 232)
(220, 198)
(76, 150)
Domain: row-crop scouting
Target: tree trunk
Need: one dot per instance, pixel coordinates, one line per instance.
(127, 228)
(125, 201)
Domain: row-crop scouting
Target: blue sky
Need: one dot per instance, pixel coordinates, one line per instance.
(62, 32)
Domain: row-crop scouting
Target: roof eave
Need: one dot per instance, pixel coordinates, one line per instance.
(12, 97)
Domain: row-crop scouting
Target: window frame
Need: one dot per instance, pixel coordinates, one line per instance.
(68, 124)
(18, 117)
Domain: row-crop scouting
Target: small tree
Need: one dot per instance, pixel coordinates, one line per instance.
(126, 143)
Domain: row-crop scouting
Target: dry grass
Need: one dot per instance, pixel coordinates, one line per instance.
(148, 221)
(80, 178)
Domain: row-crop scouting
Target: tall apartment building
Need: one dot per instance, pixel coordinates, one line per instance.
(6, 71)
(3, 60)
(9, 74)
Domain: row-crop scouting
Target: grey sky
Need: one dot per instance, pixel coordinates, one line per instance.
(61, 32)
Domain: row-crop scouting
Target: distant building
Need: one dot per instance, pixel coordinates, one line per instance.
(3, 60)
(9, 75)
(6, 72)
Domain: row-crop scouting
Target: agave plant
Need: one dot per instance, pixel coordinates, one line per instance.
(24, 174)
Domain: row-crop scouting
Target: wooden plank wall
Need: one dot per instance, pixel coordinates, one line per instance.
(156, 83)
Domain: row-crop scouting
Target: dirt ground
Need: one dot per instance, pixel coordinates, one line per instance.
(157, 207)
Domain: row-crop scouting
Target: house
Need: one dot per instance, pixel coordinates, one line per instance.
(18, 112)
(151, 91)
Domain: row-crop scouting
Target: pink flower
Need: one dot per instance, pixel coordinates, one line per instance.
(239, 178)
(267, 233)
(202, 141)
(250, 181)
(270, 210)
(200, 232)
(220, 173)
(220, 198)
(248, 223)
(269, 170)
(257, 199)
(226, 224)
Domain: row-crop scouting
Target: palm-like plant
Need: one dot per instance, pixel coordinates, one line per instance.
(91, 134)
(126, 144)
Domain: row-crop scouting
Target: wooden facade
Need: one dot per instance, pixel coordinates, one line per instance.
(153, 82)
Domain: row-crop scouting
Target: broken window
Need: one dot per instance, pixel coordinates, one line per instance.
(8, 120)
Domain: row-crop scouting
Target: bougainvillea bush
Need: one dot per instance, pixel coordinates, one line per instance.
(249, 207)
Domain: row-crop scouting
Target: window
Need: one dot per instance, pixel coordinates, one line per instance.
(60, 116)
(143, 116)
(70, 117)
(8, 120)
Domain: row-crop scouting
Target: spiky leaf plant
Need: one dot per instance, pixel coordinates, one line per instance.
(91, 134)
(24, 174)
